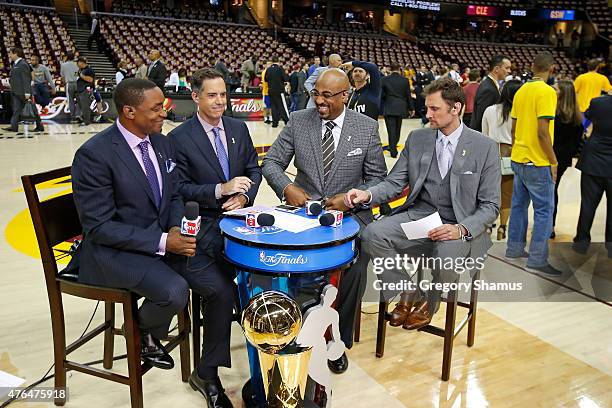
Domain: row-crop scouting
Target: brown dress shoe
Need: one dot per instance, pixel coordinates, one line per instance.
(419, 317)
(402, 309)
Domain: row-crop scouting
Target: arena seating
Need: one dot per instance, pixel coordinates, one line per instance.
(601, 14)
(39, 32)
(183, 9)
(304, 23)
(190, 45)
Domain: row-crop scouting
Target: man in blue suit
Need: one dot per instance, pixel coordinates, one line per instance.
(126, 195)
(217, 167)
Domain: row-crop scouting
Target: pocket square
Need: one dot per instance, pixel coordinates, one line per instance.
(467, 172)
(355, 152)
(170, 165)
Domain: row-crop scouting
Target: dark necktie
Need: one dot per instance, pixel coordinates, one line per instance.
(150, 171)
(328, 149)
(221, 154)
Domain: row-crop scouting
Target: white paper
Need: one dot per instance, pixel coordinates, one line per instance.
(8, 381)
(293, 223)
(250, 210)
(418, 229)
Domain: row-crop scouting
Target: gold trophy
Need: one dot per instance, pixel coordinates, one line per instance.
(271, 321)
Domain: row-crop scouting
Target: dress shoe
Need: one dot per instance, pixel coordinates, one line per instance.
(338, 366)
(420, 317)
(10, 129)
(547, 270)
(212, 390)
(402, 309)
(38, 129)
(154, 353)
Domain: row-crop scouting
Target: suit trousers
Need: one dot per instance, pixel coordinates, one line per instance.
(279, 109)
(385, 239)
(394, 128)
(18, 104)
(591, 192)
(84, 101)
(71, 94)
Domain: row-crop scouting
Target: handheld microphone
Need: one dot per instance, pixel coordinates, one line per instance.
(314, 207)
(331, 218)
(259, 220)
(190, 224)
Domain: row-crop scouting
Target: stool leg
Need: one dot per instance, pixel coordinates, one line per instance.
(59, 340)
(357, 333)
(472, 311)
(196, 303)
(382, 328)
(449, 334)
(183, 324)
(109, 336)
(132, 335)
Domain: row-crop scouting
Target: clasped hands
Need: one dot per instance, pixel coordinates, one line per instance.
(236, 188)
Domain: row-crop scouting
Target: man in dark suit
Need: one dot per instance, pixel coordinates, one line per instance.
(397, 102)
(156, 72)
(277, 78)
(128, 203)
(353, 157)
(489, 89)
(20, 80)
(218, 168)
(422, 78)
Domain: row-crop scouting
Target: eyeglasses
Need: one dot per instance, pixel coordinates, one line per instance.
(327, 95)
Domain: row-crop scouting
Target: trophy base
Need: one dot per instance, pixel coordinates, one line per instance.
(250, 400)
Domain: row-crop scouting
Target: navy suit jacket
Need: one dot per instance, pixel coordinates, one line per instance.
(122, 227)
(199, 172)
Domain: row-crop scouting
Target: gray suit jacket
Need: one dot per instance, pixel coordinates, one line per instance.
(20, 79)
(358, 162)
(475, 179)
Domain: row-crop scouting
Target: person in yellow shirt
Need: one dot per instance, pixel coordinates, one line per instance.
(589, 86)
(266, 95)
(535, 167)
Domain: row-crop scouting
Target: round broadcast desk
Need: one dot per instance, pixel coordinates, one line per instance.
(298, 264)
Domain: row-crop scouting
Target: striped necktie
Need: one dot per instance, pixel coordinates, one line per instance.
(150, 172)
(328, 149)
(221, 153)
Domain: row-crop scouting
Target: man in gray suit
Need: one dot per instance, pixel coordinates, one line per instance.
(20, 80)
(450, 169)
(334, 150)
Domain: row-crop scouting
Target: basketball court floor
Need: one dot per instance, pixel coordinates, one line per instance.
(548, 345)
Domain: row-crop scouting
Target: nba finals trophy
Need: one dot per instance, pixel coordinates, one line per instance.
(271, 321)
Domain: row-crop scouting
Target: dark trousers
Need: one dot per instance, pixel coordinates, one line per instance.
(42, 94)
(591, 192)
(394, 127)
(94, 37)
(17, 104)
(421, 111)
(279, 111)
(563, 165)
(84, 102)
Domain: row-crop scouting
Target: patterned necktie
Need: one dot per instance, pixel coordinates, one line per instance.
(328, 149)
(150, 171)
(445, 157)
(221, 153)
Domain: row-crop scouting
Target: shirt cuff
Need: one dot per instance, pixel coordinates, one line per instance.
(247, 199)
(283, 199)
(468, 236)
(161, 249)
(370, 200)
(218, 194)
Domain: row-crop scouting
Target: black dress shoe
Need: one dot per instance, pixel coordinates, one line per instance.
(38, 129)
(212, 390)
(338, 366)
(10, 129)
(152, 352)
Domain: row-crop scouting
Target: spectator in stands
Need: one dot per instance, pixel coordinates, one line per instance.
(594, 162)
(94, 33)
(334, 62)
(365, 95)
(85, 87)
(497, 125)
(121, 73)
(319, 47)
(173, 81)
(248, 71)
(489, 90)
(298, 92)
(316, 64)
(182, 74)
(423, 78)
(397, 104)
(453, 73)
(20, 80)
(465, 76)
(44, 85)
(560, 39)
(589, 86)
(156, 72)
(69, 70)
(222, 69)
(470, 86)
(568, 133)
(141, 68)
(535, 167)
(277, 78)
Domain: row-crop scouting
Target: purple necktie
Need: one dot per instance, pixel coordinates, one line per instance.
(150, 171)
(221, 153)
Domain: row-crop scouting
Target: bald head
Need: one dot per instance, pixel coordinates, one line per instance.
(331, 90)
(335, 61)
(333, 78)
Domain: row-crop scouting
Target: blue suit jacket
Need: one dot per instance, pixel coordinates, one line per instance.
(122, 226)
(199, 172)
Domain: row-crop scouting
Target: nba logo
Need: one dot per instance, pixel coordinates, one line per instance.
(251, 220)
(337, 217)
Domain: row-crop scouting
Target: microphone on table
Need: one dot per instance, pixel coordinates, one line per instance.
(331, 218)
(314, 207)
(259, 220)
(190, 224)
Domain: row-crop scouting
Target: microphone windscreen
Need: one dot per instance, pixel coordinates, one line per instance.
(192, 210)
(316, 208)
(327, 219)
(265, 220)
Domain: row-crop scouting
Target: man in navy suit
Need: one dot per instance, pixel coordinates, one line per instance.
(126, 195)
(217, 167)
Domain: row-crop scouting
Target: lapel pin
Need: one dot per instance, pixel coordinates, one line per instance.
(463, 153)
(233, 141)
